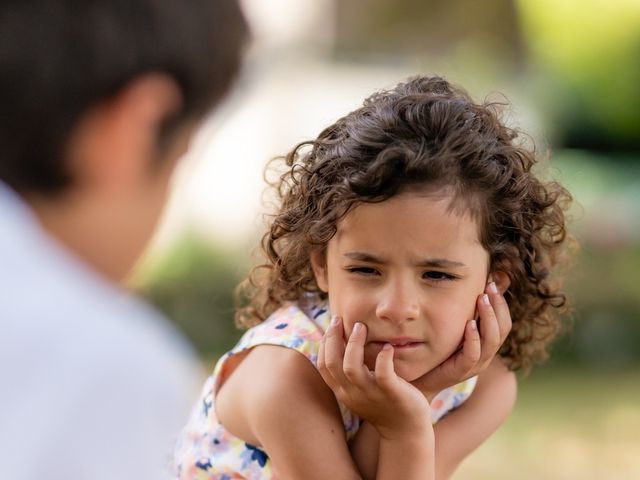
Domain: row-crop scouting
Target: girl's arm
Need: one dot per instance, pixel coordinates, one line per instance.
(465, 429)
(458, 433)
(276, 400)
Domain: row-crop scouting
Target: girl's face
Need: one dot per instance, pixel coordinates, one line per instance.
(411, 272)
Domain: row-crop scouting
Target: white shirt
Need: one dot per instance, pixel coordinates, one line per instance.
(93, 383)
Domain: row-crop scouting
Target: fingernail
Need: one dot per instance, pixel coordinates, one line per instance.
(387, 347)
(335, 320)
(357, 327)
(485, 299)
(474, 325)
(492, 287)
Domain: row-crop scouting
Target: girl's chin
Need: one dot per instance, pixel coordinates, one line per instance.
(409, 373)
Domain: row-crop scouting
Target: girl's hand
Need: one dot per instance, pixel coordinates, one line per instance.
(392, 405)
(479, 346)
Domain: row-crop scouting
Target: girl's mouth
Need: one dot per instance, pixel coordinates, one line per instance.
(400, 343)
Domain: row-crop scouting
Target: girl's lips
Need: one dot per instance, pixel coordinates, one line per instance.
(399, 343)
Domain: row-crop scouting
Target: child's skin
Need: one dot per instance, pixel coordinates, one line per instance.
(405, 271)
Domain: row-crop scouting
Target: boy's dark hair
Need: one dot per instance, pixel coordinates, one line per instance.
(60, 57)
(425, 132)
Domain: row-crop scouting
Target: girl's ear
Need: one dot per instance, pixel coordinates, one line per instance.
(501, 280)
(319, 266)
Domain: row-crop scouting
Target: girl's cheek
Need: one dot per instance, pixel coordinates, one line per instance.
(468, 309)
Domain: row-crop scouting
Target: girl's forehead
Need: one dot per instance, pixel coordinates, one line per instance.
(437, 207)
(412, 220)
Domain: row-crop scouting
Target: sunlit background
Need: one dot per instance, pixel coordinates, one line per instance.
(571, 70)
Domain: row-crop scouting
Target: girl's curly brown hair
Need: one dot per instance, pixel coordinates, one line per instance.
(423, 132)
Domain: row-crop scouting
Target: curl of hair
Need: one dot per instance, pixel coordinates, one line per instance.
(424, 133)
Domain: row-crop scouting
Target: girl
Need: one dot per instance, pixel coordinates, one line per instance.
(410, 234)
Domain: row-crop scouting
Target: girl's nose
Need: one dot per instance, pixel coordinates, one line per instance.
(398, 304)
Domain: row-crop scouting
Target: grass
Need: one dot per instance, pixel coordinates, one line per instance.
(566, 425)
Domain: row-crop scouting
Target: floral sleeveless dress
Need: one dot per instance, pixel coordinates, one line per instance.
(207, 451)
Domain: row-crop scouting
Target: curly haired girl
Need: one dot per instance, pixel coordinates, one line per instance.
(410, 270)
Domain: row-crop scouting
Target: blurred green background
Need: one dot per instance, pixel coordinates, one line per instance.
(572, 71)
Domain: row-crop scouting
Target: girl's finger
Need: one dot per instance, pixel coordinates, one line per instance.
(322, 368)
(353, 366)
(334, 350)
(489, 330)
(471, 350)
(384, 372)
(501, 309)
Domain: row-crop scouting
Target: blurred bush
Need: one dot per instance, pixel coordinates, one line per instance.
(605, 292)
(603, 285)
(584, 63)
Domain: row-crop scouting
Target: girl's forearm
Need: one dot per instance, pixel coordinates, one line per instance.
(409, 457)
(364, 448)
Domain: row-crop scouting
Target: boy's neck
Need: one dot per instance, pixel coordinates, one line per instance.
(82, 228)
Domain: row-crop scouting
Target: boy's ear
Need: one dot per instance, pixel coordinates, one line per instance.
(501, 280)
(319, 266)
(116, 140)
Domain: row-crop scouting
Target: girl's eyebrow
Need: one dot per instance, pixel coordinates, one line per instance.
(427, 262)
(440, 263)
(363, 257)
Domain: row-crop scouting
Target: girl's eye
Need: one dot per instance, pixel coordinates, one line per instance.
(363, 270)
(438, 276)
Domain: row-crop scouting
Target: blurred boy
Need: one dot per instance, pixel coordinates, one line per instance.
(99, 100)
